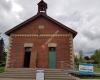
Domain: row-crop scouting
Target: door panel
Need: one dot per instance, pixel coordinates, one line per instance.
(52, 58)
(27, 60)
(27, 56)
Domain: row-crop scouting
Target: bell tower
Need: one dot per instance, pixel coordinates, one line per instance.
(42, 7)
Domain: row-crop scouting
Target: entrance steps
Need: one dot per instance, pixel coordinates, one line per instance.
(29, 73)
(58, 74)
(18, 73)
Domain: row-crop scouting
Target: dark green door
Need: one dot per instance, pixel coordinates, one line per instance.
(52, 57)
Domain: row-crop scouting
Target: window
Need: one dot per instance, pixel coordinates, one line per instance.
(52, 49)
(41, 26)
(27, 49)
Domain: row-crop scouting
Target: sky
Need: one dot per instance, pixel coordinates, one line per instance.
(82, 16)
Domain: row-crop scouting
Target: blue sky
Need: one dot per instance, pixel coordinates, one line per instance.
(80, 15)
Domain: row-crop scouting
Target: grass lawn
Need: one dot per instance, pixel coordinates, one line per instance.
(2, 69)
(97, 69)
(90, 77)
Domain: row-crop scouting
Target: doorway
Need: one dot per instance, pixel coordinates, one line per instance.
(27, 56)
(52, 58)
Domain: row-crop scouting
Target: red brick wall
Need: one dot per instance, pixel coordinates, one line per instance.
(32, 27)
(63, 52)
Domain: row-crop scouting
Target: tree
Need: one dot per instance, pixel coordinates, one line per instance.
(1, 48)
(2, 53)
(86, 58)
(96, 56)
(76, 60)
(81, 56)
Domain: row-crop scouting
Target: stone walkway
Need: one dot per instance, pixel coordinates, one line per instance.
(90, 79)
(34, 79)
(14, 79)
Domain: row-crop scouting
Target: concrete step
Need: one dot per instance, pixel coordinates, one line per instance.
(60, 78)
(16, 74)
(20, 77)
(33, 74)
(19, 72)
(29, 73)
(56, 73)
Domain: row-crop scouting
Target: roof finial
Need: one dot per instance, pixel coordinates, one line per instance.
(42, 7)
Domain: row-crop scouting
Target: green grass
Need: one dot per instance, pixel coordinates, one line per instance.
(2, 69)
(96, 69)
(89, 77)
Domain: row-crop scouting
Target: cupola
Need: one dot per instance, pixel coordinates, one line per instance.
(42, 7)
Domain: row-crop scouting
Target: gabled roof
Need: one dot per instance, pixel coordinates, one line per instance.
(45, 16)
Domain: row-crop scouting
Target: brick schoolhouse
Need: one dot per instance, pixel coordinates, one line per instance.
(41, 42)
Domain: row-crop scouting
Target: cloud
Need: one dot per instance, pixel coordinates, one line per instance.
(8, 17)
(5, 5)
(80, 15)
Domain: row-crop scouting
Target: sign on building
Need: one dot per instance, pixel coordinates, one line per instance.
(86, 69)
(40, 75)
